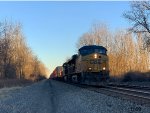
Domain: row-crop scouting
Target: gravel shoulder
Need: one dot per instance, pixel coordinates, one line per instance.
(5, 92)
(30, 99)
(50, 96)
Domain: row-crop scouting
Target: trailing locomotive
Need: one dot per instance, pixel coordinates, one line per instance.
(89, 66)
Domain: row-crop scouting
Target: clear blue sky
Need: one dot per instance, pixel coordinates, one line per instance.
(52, 29)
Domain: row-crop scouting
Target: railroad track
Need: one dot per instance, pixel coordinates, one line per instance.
(129, 93)
(137, 94)
(130, 86)
(134, 93)
(140, 94)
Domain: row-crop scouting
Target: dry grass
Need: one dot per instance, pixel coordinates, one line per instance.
(136, 76)
(133, 76)
(14, 82)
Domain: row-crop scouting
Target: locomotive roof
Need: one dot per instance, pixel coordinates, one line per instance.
(92, 47)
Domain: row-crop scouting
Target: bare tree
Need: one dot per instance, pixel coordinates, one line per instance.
(16, 58)
(6, 52)
(98, 35)
(139, 17)
(20, 51)
(124, 50)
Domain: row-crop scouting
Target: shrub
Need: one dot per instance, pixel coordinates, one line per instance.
(136, 76)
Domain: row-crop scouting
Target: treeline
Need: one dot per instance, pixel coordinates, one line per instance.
(125, 50)
(16, 58)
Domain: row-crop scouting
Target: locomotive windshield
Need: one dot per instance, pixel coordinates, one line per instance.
(86, 50)
(101, 51)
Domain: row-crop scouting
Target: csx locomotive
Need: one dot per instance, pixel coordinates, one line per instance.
(89, 66)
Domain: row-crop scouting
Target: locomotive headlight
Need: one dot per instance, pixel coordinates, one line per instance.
(95, 55)
(90, 68)
(104, 68)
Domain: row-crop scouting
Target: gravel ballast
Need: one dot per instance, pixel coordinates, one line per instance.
(50, 96)
(5, 92)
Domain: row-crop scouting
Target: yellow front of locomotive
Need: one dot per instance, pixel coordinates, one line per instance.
(93, 61)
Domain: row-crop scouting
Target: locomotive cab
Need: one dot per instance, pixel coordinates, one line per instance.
(93, 63)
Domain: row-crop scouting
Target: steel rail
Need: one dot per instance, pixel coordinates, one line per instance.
(134, 90)
(128, 93)
(129, 86)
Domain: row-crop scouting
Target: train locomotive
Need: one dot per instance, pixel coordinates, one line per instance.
(89, 66)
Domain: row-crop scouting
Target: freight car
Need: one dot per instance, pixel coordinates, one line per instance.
(57, 73)
(89, 66)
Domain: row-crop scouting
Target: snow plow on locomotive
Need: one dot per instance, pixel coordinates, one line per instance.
(89, 66)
